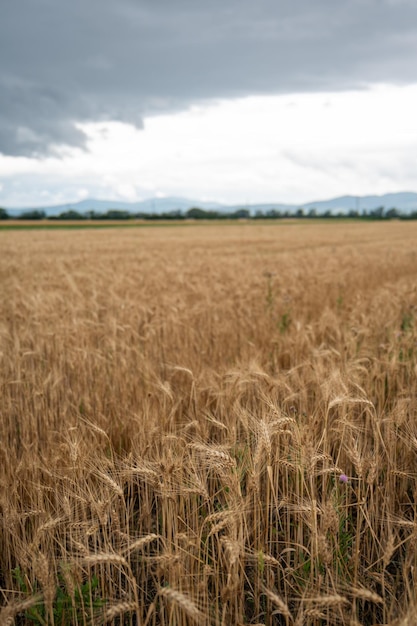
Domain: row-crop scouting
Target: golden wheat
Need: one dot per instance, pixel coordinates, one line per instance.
(209, 424)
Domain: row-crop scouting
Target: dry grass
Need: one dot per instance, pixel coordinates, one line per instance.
(177, 405)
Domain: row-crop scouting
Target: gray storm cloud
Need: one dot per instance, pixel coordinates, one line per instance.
(68, 62)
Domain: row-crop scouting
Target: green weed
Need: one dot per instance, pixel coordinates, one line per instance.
(68, 609)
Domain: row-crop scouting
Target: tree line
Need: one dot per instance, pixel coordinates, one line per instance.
(196, 213)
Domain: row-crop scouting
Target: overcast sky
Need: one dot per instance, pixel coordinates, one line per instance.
(229, 100)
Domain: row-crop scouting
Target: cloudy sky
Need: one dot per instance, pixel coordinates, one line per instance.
(239, 101)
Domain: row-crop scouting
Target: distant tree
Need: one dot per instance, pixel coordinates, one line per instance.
(273, 214)
(196, 213)
(299, 213)
(240, 214)
(392, 213)
(116, 214)
(3, 214)
(92, 215)
(199, 214)
(70, 215)
(312, 212)
(32, 215)
(378, 213)
(176, 214)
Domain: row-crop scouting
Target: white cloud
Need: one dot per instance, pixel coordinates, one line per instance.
(82, 193)
(290, 148)
(126, 191)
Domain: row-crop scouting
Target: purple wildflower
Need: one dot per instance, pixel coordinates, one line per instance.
(343, 479)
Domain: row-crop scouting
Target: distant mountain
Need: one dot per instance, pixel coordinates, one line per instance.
(404, 201)
(152, 205)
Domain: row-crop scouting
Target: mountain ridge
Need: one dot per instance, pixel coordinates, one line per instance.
(405, 201)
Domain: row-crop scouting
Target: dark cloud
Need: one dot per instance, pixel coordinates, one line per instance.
(67, 62)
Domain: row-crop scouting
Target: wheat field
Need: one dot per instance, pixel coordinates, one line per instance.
(209, 424)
